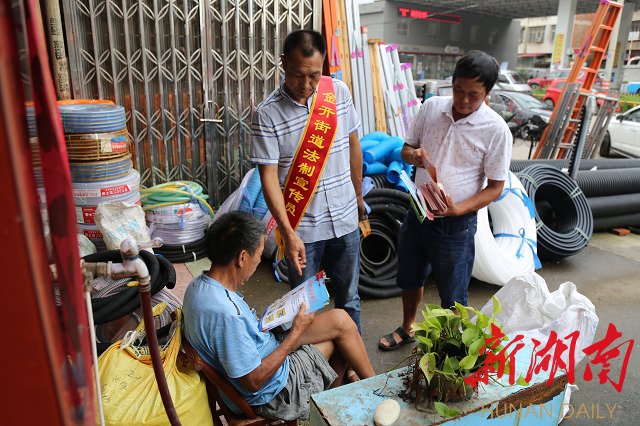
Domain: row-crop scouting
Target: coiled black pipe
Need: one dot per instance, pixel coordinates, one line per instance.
(110, 308)
(563, 216)
(585, 164)
(379, 251)
(184, 253)
(609, 222)
(381, 181)
(614, 205)
(599, 183)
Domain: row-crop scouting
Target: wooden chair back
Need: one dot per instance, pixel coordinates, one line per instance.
(216, 384)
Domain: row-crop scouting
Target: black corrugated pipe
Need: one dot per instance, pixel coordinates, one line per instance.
(379, 251)
(585, 164)
(609, 222)
(614, 205)
(600, 183)
(563, 216)
(381, 181)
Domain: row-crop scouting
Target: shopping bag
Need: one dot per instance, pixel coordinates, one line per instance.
(128, 386)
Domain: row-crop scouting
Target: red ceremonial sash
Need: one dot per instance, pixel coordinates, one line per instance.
(311, 156)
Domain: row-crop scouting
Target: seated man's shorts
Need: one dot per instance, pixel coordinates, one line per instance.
(309, 373)
(446, 246)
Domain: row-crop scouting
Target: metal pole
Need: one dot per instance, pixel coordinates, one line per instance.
(57, 52)
(576, 155)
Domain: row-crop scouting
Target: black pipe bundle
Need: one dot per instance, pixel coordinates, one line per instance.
(379, 251)
(184, 253)
(585, 164)
(381, 181)
(609, 222)
(110, 308)
(599, 183)
(614, 205)
(565, 221)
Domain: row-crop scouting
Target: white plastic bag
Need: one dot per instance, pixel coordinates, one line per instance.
(118, 221)
(529, 309)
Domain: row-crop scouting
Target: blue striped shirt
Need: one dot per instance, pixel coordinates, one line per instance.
(277, 128)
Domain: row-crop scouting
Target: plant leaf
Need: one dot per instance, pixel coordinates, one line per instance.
(455, 364)
(455, 342)
(522, 382)
(441, 313)
(416, 326)
(452, 413)
(497, 307)
(469, 335)
(426, 341)
(433, 323)
(474, 348)
(447, 368)
(444, 411)
(468, 362)
(462, 311)
(482, 321)
(428, 365)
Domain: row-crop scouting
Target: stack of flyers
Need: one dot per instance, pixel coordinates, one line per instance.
(425, 199)
(434, 195)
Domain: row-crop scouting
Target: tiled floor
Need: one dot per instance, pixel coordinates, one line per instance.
(185, 273)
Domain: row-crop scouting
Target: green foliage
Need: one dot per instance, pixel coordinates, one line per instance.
(628, 101)
(451, 346)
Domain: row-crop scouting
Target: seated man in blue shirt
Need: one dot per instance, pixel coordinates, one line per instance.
(275, 377)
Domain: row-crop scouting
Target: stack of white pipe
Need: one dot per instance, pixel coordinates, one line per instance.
(510, 249)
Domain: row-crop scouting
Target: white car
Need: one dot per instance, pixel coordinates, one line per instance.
(623, 135)
(511, 80)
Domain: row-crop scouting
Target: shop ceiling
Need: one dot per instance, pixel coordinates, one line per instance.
(512, 9)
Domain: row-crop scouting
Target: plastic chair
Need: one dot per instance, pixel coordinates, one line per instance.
(216, 383)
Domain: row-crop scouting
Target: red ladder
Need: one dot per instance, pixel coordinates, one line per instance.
(592, 51)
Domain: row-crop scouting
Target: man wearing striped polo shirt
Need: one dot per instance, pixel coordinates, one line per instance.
(328, 232)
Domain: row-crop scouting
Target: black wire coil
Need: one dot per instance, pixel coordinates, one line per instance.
(563, 216)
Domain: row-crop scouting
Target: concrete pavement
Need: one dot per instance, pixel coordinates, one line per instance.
(607, 272)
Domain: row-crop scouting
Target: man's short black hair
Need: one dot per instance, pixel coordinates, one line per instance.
(308, 41)
(480, 65)
(231, 233)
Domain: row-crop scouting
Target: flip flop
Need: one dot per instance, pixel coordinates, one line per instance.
(404, 338)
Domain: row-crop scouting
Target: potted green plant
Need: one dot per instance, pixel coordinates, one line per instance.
(449, 347)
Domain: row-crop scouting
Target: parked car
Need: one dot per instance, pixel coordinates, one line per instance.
(554, 91)
(511, 80)
(444, 87)
(547, 79)
(623, 135)
(524, 107)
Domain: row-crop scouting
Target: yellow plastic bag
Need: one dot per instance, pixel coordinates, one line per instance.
(129, 390)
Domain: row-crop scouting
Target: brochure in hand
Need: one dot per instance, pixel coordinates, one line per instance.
(313, 292)
(425, 198)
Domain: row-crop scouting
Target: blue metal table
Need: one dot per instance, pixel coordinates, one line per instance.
(536, 404)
